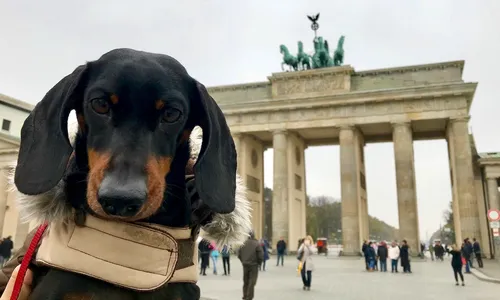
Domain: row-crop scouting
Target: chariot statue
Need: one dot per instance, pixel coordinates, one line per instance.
(320, 58)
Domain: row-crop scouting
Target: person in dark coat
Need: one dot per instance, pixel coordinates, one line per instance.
(382, 253)
(365, 254)
(371, 256)
(456, 264)
(467, 254)
(6, 248)
(251, 256)
(265, 247)
(477, 252)
(281, 251)
(439, 251)
(204, 250)
(404, 254)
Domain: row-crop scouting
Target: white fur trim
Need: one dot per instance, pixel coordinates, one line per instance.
(231, 229)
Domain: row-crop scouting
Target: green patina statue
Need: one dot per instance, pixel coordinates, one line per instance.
(321, 57)
(338, 54)
(288, 59)
(304, 58)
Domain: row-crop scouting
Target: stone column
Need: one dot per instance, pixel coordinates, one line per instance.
(493, 199)
(464, 178)
(237, 145)
(349, 192)
(280, 187)
(402, 139)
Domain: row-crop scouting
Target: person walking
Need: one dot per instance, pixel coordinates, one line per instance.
(382, 253)
(477, 252)
(265, 247)
(371, 257)
(439, 251)
(393, 254)
(215, 256)
(251, 256)
(281, 251)
(305, 254)
(431, 251)
(456, 264)
(404, 254)
(225, 253)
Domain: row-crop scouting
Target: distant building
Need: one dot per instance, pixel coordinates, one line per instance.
(13, 112)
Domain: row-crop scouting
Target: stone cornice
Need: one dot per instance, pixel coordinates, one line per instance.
(15, 103)
(9, 151)
(415, 68)
(413, 93)
(236, 87)
(344, 70)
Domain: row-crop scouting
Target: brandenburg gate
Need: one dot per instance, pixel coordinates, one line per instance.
(340, 106)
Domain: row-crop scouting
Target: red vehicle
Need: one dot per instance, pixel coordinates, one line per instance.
(322, 245)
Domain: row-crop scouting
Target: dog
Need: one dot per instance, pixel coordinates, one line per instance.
(143, 124)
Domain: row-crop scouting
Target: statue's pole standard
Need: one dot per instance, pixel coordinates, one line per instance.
(314, 25)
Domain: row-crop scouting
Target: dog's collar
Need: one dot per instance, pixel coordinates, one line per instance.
(146, 256)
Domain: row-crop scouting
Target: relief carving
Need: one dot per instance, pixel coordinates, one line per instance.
(310, 85)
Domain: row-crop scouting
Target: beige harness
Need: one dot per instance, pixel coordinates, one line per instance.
(138, 256)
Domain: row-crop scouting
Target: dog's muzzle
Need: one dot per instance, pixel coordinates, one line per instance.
(123, 198)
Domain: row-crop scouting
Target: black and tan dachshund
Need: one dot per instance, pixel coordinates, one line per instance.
(135, 113)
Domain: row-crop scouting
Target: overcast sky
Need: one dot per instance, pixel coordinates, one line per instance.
(225, 42)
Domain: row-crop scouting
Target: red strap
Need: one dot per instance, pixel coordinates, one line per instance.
(26, 261)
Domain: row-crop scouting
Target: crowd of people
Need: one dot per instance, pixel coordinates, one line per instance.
(377, 254)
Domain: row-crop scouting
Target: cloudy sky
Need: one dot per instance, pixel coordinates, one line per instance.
(225, 42)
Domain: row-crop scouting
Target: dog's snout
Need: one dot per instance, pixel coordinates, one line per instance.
(123, 199)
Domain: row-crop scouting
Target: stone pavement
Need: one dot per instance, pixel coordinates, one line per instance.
(345, 279)
(490, 272)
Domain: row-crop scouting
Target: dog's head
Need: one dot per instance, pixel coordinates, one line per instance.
(135, 110)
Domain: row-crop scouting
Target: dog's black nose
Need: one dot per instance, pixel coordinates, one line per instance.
(122, 199)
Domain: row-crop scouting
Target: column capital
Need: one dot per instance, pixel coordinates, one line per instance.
(460, 119)
(280, 131)
(347, 126)
(404, 123)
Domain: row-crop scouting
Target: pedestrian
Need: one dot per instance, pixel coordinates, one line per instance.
(251, 256)
(281, 251)
(404, 254)
(305, 254)
(370, 256)
(226, 255)
(6, 248)
(393, 254)
(215, 256)
(477, 252)
(204, 250)
(265, 248)
(375, 249)
(431, 251)
(439, 250)
(456, 264)
(364, 247)
(382, 254)
(467, 253)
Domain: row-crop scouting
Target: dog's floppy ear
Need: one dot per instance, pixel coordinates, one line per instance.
(45, 148)
(215, 168)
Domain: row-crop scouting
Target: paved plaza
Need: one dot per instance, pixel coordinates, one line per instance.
(336, 278)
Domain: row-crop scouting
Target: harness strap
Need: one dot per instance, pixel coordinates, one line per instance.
(26, 261)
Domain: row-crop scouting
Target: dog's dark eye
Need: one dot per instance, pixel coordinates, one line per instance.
(100, 106)
(171, 115)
